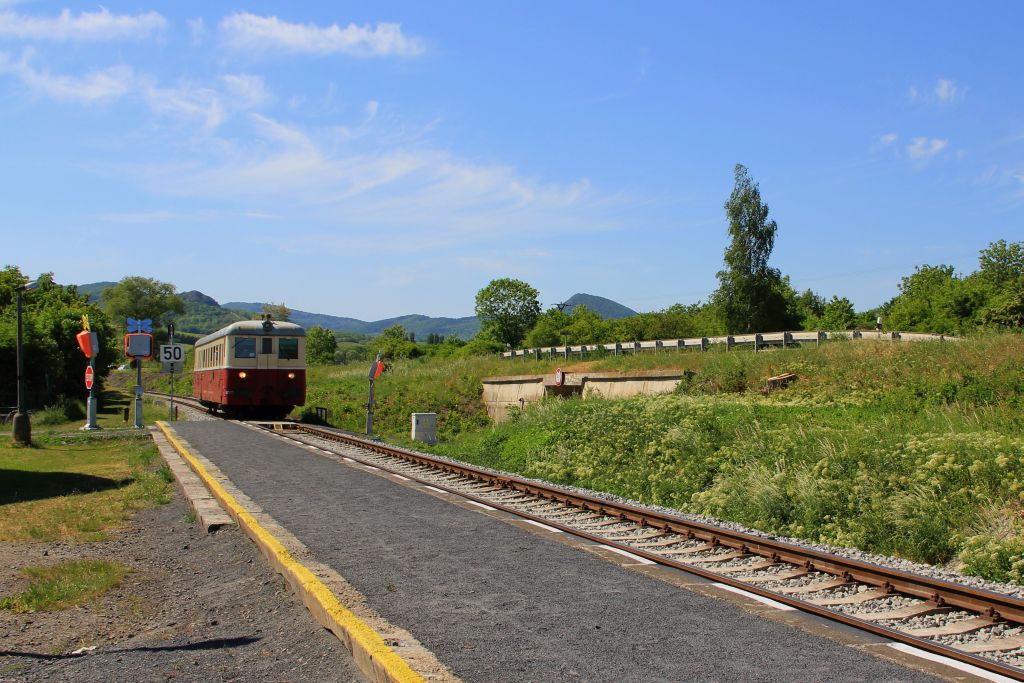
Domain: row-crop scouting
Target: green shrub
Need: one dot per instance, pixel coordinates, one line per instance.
(62, 411)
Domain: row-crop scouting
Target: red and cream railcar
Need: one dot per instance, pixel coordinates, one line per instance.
(255, 367)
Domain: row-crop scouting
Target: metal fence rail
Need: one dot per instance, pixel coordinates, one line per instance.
(758, 341)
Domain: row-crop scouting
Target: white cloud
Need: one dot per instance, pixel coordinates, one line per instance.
(87, 26)
(94, 86)
(371, 109)
(246, 90)
(888, 139)
(946, 91)
(253, 33)
(925, 148)
(198, 29)
(373, 192)
(185, 101)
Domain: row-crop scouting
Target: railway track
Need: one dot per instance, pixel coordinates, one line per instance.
(978, 627)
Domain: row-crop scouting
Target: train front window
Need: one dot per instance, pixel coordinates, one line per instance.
(245, 347)
(268, 346)
(288, 349)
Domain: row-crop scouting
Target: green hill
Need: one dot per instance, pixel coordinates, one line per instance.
(606, 308)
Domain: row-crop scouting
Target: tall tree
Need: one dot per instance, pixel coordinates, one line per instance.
(750, 297)
(278, 312)
(507, 309)
(141, 297)
(320, 345)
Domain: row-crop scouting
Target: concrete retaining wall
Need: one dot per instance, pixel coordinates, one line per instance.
(502, 393)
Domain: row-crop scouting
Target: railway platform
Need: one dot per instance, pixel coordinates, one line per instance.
(495, 598)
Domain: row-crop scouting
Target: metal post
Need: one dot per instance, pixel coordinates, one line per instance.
(22, 427)
(91, 409)
(171, 412)
(138, 393)
(369, 412)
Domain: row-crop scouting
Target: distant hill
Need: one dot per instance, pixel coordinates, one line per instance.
(606, 308)
(93, 289)
(204, 315)
(420, 325)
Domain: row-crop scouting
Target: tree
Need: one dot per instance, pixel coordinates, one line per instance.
(140, 298)
(52, 316)
(277, 312)
(1001, 263)
(394, 343)
(838, 315)
(320, 345)
(750, 297)
(507, 309)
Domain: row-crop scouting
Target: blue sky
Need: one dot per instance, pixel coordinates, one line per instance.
(388, 158)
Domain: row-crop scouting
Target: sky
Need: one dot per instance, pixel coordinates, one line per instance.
(379, 159)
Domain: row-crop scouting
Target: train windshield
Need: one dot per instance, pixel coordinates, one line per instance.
(245, 347)
(288, 349)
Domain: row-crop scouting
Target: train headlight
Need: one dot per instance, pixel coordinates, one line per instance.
(291, 375)
(241, 375)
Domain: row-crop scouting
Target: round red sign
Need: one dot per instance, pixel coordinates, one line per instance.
(88, 377)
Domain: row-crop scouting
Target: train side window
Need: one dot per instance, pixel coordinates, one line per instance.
(268, 346)
(245, 347)
(288, 349)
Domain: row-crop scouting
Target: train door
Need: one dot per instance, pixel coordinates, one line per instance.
(266, 356)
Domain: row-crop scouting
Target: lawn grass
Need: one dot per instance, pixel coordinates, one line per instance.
(66, 584)
(77, 488)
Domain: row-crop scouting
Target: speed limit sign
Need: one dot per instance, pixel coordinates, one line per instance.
(171, 357)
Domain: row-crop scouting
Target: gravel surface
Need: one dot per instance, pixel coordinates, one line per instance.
(195, 607)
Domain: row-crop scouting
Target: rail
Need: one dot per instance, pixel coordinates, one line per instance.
(758, 341)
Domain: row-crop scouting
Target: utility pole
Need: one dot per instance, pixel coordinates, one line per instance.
(170, 334)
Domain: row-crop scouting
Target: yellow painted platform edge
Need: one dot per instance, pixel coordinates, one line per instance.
(360, 633)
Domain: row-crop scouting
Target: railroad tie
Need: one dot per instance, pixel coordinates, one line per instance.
(994, 645)
(954, 629)
(813, 587)
(854, 599)
(739, 569)
(724, 557)
(917, 610)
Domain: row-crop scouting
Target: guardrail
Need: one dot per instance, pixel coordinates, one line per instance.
(758, 340)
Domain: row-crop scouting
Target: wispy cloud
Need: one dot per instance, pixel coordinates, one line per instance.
(377, 194)
(247, 91)
(86, 26)
(945, 91)
(252, 33)
(888, 139)
(94, 86)
(923, 148)
(185, 101)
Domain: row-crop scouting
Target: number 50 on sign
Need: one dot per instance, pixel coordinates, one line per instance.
(171, 357)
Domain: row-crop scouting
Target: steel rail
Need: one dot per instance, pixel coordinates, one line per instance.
(940, 593)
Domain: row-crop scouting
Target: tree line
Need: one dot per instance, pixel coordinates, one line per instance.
(752, 296)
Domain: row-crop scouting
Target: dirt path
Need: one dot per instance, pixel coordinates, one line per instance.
(195, 607)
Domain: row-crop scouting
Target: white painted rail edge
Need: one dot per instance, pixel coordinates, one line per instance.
(754, 596)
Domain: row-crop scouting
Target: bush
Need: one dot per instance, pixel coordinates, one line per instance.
(64, 410)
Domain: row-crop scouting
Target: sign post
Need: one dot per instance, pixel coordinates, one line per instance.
(89, 342)
(170, 335)
(138, 345)
(376, 368)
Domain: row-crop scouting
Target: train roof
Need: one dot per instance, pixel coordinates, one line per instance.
(255, 328)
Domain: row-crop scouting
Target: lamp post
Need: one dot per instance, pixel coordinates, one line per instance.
(22, 428)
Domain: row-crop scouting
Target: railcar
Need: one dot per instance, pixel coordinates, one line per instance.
(251, 368)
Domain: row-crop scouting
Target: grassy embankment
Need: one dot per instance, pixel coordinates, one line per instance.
(908, 449)
(74, 486)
